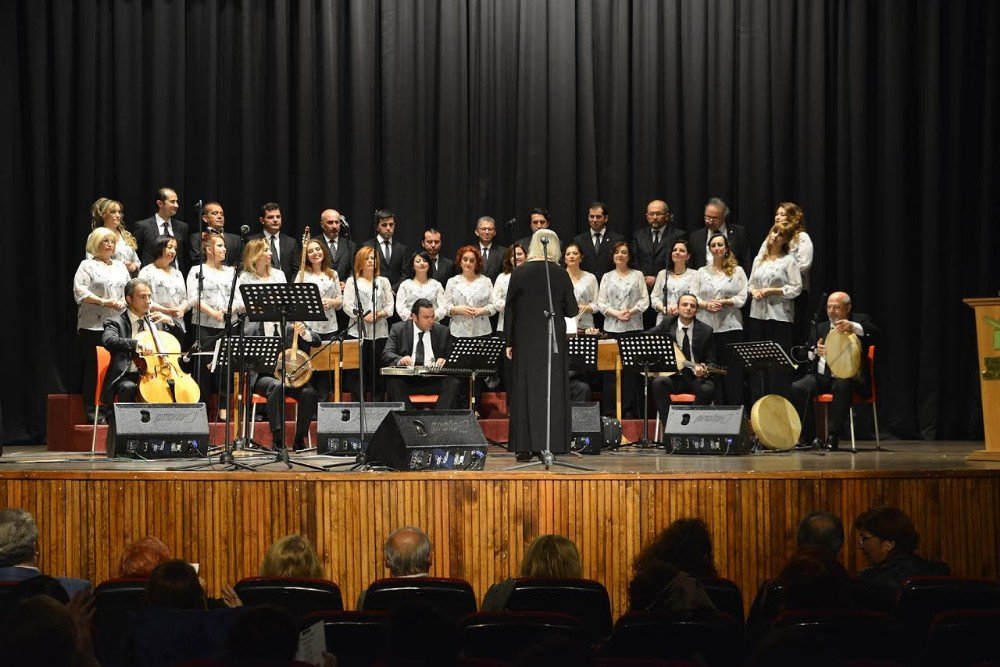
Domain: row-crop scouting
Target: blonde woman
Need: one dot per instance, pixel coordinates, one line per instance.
(109, 213)
(549, 557)
(374, 293)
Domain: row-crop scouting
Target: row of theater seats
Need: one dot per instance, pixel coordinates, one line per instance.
(947, 620)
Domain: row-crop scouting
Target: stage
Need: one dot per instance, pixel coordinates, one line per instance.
(481, 522)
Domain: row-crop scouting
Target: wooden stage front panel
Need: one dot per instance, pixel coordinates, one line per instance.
(480, 523)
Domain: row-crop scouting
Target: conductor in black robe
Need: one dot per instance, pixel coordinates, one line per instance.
(526, 331)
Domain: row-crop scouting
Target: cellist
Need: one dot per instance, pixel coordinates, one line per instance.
(120, 338)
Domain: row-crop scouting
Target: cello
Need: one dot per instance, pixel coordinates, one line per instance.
(162, 380)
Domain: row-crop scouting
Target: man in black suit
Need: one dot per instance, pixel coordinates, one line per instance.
(119, 338)
(215, 221)
(392, 255)
(342, 251)
(162, 223)
(596, 245)
(717, 221)
(285, 250)
(697, 343)
(486, 232)
(821, 381)
(442, 268)
(419, 341)
(539, 220)
(651, 248)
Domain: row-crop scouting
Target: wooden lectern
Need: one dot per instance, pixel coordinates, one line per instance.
(988, 339)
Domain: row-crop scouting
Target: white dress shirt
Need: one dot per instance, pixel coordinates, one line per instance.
(216, 285)
(94, 278)
(429, 357)
(782, 273)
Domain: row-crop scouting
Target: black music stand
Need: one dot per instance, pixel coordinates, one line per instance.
(652, 353)
(479, 356)
(284, 303)
(757, 357)
(249, 354)
(582, 352)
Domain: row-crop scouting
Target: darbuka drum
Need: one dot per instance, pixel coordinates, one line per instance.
(776, 422)
(843, 354)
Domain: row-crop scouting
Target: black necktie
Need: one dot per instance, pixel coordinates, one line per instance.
(656, 237)
(333, 247)
(420, 350)
(166, 229)
(686, 344)
(597, 242)
(142, 326)
(274, 254)
(434, 267)
(388, 251)
(486, 253)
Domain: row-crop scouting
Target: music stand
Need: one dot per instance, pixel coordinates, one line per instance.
(758, 356)
(283, 302)
(652, 353)
(480, 356)
(582, 352)
(249, 354)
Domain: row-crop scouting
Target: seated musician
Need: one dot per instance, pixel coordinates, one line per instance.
(120, 338)
(419, 341)
(270, 387)
(695, 340)
(821, 381)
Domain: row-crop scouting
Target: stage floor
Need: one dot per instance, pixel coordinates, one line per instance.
(897, 456)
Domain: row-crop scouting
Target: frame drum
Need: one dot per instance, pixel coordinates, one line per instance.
(775, 422)
(843, 354)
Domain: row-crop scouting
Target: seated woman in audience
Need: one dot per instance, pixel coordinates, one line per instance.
(167, 284)
(420, 286)
(141, 557)
(109, 214)
(888, 541)
(293, 557)
(686, 544)
(672, 281)
(548, 556)
(663, 587)
(175, 585)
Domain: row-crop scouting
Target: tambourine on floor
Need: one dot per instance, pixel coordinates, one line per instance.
(776, 423)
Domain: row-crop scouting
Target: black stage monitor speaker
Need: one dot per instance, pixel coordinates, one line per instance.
(706, 429)
(429, 440)
(338, 426)
(158, 431)
(587, 430)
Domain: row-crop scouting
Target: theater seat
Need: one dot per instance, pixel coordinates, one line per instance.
(585, 599)
(452, 597)
(964, 637)
(712, 638)
(725, 595)
(297, 596)
(356, 638)
(857, 634)
(503, 635)
(923, 598)
(116, 602)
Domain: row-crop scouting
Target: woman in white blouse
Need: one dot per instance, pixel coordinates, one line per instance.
(109, 213)
(469, 296)
(672, 281)
(257, 270)
(513, 257)
(721, 288)
(167, 284)
(584, 286)
(374, 293)
(319, 270)
(208, 310)
(99, 291)
(801, 248)
(420, 286)
(623, 299)
(774, 283)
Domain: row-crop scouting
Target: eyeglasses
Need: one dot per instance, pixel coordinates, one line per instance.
(862, 538)
(713, 217)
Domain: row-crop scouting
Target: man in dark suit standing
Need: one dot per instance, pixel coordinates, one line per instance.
(539, 220)
(215, 222)
(441, 268)
(342, 250)
(162, 223)
(717, 221)
(822, 381)
(651, 248)
(595, 246)
(284, 249)
(697, 343)
(486, 232)
(392, 255)
(419, 341)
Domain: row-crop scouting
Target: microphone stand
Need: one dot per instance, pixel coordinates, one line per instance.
(510, 224)
(201, 286)
(362, 457)
(816, 444)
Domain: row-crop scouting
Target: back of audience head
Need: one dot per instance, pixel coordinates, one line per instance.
(175, 584)
(552, 556)
(407, 552)
(39, 631)
(292, 556)
(263, 634)
(18, 537)
(895, 532)
(140, 557)
(35, 586)
(686, 544)
(814, 579)
(821, 529)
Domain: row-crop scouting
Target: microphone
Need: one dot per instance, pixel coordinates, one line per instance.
(245, 231)
(544, 240)
(511, 222)
(198, 205)
(187, 355)
(343, 221)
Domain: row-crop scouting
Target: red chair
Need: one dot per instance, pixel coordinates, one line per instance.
(424, 401)
(116, 602)
(923, 598)
(354, 637)
(103, 361)
(826, 399)
(585, 599)
(452, 597)
(709, 638)
(857, 634)
(257, 399)
(298, 596)
(503, 635)
(964, 637)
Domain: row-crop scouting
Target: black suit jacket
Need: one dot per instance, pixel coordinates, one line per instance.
(702, 338)
(872, 334)
(400, 343)
(737, 235)
(289, 252)
(393, 269)
(597, 262)
(343, 259)
(493, 266)
(117, 339)
(233, 251)
(145, 232)
(652, 259)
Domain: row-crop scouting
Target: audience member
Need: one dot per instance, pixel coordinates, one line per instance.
(140, 557)
(548, 556)
(292, 556)
(889, 543)
(662, 587)
(821, 529)
(686, 544)
(407, 553)
(42, 631)
(814, 579)
(19, 551)
(174, 584)
(43, 584)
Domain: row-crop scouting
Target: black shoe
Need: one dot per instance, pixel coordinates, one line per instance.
(523, 457)
(299, 445)
(832, 442)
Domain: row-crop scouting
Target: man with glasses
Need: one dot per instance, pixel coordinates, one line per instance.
(651, 246)
(486, 232)
(717, 221)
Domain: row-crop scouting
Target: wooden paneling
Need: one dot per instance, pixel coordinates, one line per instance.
(480, 523)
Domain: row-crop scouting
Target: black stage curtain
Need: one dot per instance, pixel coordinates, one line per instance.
(878, 117)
